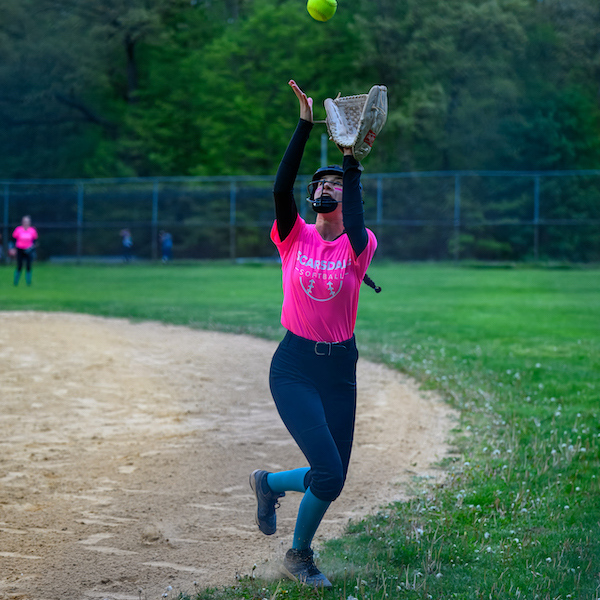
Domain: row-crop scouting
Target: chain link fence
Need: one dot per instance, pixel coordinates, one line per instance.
(480, 215)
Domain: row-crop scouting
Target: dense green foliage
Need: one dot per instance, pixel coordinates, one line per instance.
(516, 351)
(178, 87)
(194, 87)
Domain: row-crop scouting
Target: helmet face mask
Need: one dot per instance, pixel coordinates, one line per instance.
(319, 197)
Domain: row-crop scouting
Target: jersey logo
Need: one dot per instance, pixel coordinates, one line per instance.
(321, 279)
(325, 291)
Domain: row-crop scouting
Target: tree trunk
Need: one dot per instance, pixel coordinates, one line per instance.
(132, 75)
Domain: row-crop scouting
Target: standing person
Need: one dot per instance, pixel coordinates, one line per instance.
(313, 371)
(166, 246)
(127, 243)
(25, 236)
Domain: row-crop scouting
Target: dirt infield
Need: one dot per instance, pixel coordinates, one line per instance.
(125, 451)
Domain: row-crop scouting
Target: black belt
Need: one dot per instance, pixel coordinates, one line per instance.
(319, 348)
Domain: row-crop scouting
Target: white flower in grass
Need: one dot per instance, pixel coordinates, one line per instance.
(548, 559)
(567, 507)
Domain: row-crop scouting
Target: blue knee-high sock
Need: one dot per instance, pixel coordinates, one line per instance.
(288, 481)
(310, 514)
(28, 277)
(17, 277)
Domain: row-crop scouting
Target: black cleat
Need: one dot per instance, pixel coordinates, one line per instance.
(267, 502)
(299, 565)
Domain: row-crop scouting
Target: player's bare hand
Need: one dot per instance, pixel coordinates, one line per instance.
(343, 150)
(306, 103)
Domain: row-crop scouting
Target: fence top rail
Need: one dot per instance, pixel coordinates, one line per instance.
(270, 178)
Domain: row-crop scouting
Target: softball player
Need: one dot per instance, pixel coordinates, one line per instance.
(313, 371)
(25, 236)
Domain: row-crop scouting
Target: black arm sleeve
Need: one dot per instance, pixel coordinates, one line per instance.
(283, 190)
(352, 207)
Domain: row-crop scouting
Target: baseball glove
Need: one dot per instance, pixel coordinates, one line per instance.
(355, 121)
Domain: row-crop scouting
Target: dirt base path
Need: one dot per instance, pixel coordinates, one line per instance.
(125, 451)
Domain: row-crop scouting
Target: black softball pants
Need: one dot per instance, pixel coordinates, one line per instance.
(314, 388)
(23, 256)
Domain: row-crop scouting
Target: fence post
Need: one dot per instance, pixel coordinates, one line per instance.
(154, 228)
(79, 221)
(232, 199)
(5, 224)
(324, 150)
(536, 218)
(456, 217)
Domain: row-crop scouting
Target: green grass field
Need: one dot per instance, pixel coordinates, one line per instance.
(517, 351)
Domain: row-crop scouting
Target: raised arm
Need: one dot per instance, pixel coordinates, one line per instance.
(283, 190)
(352, 206)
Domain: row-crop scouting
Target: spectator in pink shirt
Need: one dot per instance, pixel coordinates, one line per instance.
(25, 236)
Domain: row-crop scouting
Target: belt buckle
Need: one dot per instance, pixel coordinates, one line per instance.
(328, 353)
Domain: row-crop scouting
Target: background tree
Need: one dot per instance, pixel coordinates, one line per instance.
(175, 87)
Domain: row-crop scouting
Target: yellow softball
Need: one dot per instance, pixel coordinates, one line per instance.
(321, 10)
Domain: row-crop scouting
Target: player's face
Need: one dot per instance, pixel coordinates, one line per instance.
(26, 222)
(331, 186)
(325, 194)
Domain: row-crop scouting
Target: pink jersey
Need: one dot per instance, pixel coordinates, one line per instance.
(321, 282)
(24, 237)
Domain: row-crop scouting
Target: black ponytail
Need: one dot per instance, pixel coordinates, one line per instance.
(371, 283)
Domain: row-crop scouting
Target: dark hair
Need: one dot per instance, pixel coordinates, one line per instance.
(371, 283)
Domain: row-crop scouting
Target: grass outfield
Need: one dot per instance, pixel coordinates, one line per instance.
(516, 350)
